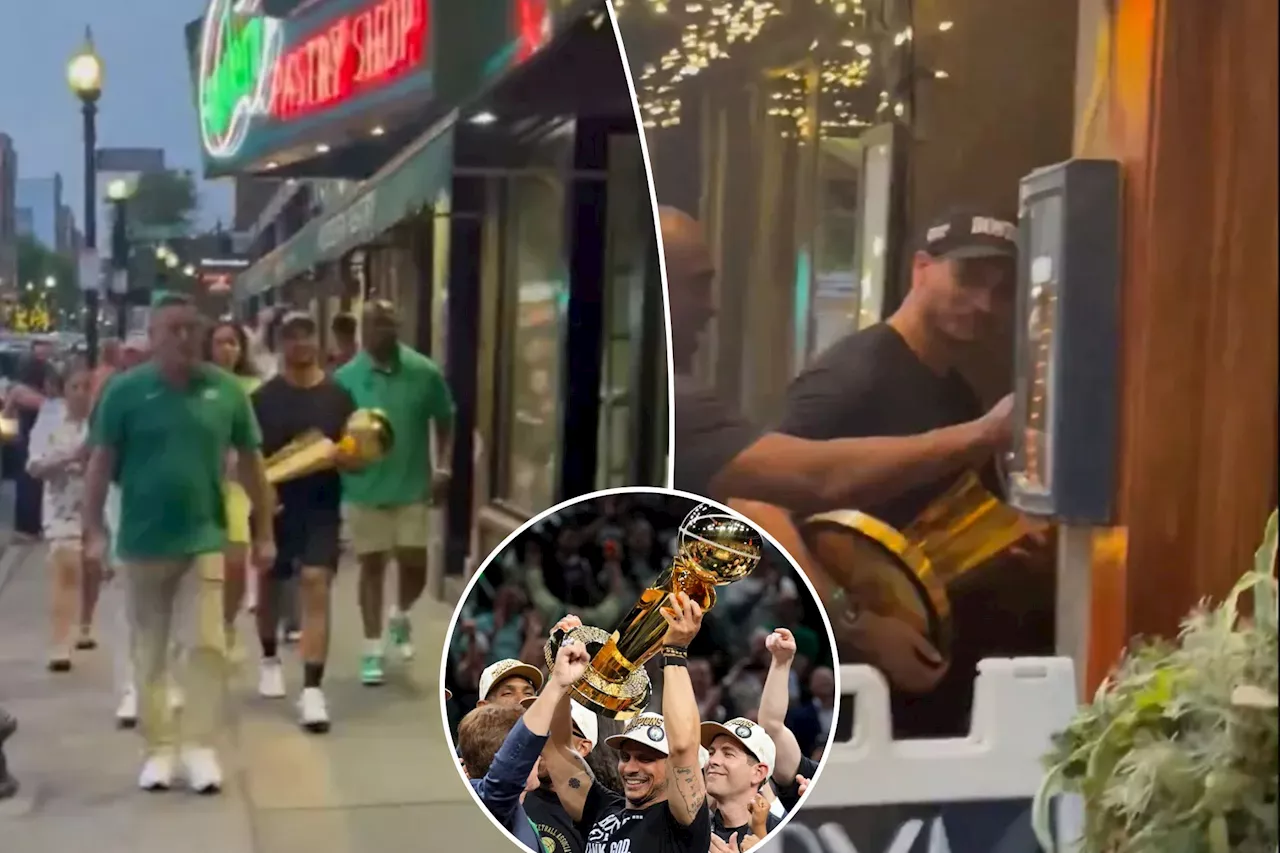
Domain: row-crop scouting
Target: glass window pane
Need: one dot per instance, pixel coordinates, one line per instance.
(536, 290)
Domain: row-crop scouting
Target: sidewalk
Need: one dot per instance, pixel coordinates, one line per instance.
(383, 779)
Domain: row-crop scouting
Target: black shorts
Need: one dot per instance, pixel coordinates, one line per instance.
(310, 538)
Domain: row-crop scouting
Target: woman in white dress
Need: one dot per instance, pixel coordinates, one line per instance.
(57, 456)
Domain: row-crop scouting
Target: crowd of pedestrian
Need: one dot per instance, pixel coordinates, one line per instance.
(145, 477)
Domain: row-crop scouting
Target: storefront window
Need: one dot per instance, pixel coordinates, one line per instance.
(836, 292)
(629, 236)
(534, 295)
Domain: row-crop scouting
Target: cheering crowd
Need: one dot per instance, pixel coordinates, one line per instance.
(153, 486)
(742, 705)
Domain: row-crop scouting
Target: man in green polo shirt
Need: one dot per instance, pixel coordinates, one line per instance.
(164, 429)
(388, 503)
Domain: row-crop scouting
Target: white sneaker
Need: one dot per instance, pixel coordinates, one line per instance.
(204, 774)
(313, 713)
(127, 710)
(157, 772)
(271, 679)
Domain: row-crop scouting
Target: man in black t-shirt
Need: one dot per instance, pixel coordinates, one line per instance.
(664, 807)
(769, 475)
(901, 377)
(301, 399)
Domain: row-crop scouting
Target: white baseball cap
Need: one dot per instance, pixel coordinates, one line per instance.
(703, 757)
(648, 729)
(752, 736)
(448, 694)
(584, 720)
(496, 673)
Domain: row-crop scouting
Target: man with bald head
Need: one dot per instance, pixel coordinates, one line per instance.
(768, 475)
(388, 502)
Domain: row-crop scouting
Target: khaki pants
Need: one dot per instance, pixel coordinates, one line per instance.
(178, 600)
(383, 530)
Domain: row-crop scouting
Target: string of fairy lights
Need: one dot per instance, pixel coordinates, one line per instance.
(823, 95)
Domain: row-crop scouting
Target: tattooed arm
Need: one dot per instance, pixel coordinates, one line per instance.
(686, 795)
(570, 775)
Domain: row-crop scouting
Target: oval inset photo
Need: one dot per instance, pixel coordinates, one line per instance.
(639, 671)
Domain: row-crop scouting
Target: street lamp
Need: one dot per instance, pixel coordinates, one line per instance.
(84, 75)
(50, 282)
(118, 191)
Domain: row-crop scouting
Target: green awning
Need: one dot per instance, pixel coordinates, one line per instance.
(410, 182)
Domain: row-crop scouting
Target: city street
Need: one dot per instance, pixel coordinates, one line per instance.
(381, 780)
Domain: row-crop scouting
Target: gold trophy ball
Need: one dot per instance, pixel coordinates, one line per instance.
(718, 545)
(368, 435)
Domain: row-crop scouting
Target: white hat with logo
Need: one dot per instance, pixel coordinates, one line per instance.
(751, 735)
(495, 674)
(648, 729)
(584, 720)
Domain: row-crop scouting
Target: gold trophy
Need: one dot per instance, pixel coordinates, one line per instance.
(367, 437)
(905, 573)
(9, 429)
(714, 548)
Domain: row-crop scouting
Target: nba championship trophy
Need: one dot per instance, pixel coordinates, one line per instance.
(367, 437)
(905, 573)
(714, 548)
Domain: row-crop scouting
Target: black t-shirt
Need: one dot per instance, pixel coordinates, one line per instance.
(872, 384)
(286, 411)
(557, 830)
(614, 828)
(789, 795)
(771, 823)
(709, 435)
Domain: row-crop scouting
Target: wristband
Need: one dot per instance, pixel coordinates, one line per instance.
(677, 651)
(675, 660)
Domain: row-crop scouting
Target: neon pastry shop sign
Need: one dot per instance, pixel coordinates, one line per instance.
(252, 70)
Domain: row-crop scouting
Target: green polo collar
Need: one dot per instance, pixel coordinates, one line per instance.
(365, 361)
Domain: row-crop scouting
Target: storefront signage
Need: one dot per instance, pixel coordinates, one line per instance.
(237, 51)
(357, 52)
(257, 71)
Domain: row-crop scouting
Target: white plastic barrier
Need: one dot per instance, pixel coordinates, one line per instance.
(964, 795)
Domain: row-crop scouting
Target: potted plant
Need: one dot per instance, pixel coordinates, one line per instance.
(1177, 751)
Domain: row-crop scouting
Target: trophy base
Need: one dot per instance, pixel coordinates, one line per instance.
(616, 700)
(892, 576)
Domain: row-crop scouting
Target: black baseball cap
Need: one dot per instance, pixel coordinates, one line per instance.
(298, 321)
(967, 233)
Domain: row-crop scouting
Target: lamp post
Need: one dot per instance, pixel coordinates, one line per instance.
(118, 192)
(84, 75)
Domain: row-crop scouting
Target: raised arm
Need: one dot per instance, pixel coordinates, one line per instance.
(570, 775)
(681, 719)
(774, 700)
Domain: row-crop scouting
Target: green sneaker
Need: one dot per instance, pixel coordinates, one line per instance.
(400, 633)
(371, 670)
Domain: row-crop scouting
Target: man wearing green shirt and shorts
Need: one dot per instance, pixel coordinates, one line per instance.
(163, 429)
(388, 503)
